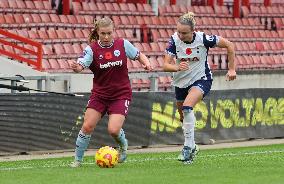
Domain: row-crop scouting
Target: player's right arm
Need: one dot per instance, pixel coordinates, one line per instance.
(76, 67)
(169, 64)
(83, 62)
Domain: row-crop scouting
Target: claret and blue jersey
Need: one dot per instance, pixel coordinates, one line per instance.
(109, 65)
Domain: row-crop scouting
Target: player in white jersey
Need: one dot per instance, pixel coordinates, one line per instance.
(186, 56)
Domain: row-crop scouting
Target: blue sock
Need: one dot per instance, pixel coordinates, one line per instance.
(120, 139)
(82, 143)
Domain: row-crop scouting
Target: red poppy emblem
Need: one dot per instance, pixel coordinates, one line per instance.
(108, 55)
(188, 51)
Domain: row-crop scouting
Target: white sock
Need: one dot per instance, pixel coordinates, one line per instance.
(188, 127)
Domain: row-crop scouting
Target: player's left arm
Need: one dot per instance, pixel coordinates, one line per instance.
(134, 54)
(224, 43)
(142, 58)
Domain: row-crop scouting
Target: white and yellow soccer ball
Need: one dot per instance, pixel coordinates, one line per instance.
(106, 157)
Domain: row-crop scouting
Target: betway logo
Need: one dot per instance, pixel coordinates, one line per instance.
(110, 64)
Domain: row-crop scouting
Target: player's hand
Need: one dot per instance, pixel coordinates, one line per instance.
(183, 66)
(231, 75)
(74, 65)
(148, 67)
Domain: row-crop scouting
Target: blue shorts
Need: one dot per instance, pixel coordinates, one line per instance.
(203, 85)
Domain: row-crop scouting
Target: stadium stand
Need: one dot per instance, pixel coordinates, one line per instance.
(258, 34)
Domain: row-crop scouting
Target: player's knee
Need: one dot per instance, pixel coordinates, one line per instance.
(113, 131)
(87, 128)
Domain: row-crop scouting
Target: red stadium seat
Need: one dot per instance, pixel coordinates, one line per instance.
(58, 48)
(54, 64)
(54, 18)
(61, 34)
(9, 19)
(139, 46)
(120, 33)
(47, 6)
(47, 50)
(76, 7)
(72, 19)
(137, 65)
(86, 32)
(133, 8)
(45, 64)
(21, 4)
(64, 65)
(77, 48)
(130, 66)
(68, 48)
(140, 20)
(154, 63)
(155, 34)
(136, 84)
(39, 5)
(80, 19)
(4, 4)
(30, 5)
(33, 34)
(146, 47)
(86, 6)
(42, 34)
(19, 19)
(154, 47)
(145, 84)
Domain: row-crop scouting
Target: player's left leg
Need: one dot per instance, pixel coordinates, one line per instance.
(118, 110)
(115, 130)
(197, 92)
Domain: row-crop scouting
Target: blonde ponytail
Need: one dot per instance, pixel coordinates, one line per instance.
(188, 19)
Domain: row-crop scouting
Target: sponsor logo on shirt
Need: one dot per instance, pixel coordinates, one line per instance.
(101, 57)
(111, 64)
(189, 59)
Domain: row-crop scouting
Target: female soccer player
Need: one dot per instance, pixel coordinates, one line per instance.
(107, 57)
(192, 78)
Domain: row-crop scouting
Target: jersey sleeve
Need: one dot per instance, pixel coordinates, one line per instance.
(171, 48)
(131, 51)
(210, 40)
(87, 58)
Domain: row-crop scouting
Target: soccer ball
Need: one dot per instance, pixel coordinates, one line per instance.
(106, 157)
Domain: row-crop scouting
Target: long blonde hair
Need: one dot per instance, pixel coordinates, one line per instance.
(188, 19)
(103, 22)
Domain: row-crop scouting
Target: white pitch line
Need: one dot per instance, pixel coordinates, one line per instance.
(148, 159)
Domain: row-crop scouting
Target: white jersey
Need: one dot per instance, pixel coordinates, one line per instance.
(195, 53)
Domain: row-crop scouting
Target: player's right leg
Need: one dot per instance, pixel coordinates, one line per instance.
(118, 110)
(91, 119)
(189, 151)
(179, 108)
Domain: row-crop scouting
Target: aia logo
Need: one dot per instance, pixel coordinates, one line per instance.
(108, 55)
(188, 51)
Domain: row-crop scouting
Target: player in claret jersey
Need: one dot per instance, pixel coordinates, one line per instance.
(186, 56)
(107, 57)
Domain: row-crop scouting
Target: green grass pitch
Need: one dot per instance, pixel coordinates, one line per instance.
(250, 165)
